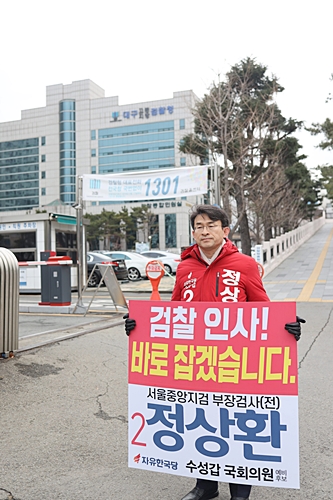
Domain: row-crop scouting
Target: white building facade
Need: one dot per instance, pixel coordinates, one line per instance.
(80, 131)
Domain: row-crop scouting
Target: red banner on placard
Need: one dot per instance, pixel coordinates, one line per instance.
(238, 348)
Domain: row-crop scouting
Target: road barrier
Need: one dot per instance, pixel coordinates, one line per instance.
(55, 281)
(31, 274)
(9, 302)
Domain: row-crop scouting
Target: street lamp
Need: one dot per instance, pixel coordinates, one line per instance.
(217, 183)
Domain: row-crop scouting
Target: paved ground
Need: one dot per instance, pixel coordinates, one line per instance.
(63, 415)
(307, 275)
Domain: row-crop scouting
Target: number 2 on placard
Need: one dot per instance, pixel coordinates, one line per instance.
(140, 429)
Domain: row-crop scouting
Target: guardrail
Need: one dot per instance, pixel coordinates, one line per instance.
(271, 253)
(9, 303)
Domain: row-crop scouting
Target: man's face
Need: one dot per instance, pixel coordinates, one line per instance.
(208, 234)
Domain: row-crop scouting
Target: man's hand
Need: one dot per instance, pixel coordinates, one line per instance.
(295, 328)
(130, 324)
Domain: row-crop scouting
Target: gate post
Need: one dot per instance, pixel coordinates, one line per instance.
(9, 302)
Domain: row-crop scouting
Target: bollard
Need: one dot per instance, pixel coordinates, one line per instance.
(9, 302)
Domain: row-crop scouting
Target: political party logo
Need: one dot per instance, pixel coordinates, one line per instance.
(95, 184)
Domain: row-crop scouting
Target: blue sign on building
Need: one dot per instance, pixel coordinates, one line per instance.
(143, 113)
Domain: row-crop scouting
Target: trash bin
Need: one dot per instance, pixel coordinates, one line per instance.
(60, 280)
(9, 302)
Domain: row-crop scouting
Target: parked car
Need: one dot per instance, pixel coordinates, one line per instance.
(135, 263)
(118, 266)
(169, 260)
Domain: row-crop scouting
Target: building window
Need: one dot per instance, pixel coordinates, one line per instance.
(134, 147)
(22, 244)
(19, 186)
(182, 162)
(182, 123)
(66, 244)
(93, 153)
(43, 158)
(43, 141)
(67, 106)
(43, 191)
(67, 151)
(170, 231)
(43, 174)
(93, 170)
(154, 231)
(93, 135)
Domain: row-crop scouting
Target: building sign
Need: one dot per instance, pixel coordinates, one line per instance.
(142, 113)
(213, 391)
(18, 225)
(146, 185)
(23, 277)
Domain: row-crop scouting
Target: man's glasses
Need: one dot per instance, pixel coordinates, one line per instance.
(209, 227)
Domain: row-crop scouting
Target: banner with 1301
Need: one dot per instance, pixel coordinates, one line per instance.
(147, 185)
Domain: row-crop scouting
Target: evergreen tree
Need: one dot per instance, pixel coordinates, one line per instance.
(239, 126)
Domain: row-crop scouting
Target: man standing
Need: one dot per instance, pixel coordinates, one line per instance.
(213, 270)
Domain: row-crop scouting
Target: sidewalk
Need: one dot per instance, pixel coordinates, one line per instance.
(166, 285)
(142, 286)
(307, 275)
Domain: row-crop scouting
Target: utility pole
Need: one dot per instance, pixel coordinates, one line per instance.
(217, 183)
(79, 241)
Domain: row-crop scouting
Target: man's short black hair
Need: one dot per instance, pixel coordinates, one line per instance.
(212, 211)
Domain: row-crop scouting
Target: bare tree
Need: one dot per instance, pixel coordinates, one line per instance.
(239, 122)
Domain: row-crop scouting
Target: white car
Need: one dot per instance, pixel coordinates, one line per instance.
(135, 263)
(169, 260)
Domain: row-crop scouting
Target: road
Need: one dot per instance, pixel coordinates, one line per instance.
(64, 416)
(40, 327)
(64, 421)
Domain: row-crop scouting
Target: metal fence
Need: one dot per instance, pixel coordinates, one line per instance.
(9, 302)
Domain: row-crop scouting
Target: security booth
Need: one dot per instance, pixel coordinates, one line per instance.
(28, 235)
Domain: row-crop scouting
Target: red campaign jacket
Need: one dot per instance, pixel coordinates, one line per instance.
(231, 277)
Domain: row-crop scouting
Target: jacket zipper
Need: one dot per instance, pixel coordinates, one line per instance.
(217, 284)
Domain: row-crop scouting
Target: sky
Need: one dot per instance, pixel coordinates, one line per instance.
(145, 50)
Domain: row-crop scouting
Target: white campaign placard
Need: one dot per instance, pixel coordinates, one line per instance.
(213, 391)
(146, 185)
(221, 437)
